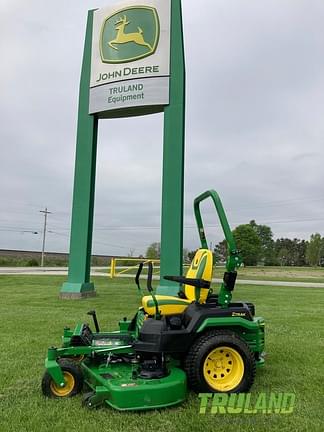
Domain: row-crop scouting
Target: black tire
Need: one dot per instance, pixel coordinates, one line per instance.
(241, 361)
(86, 400)
(72, 373)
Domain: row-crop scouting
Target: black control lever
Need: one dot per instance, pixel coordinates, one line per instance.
(138, 274)
(95, 321)
(149, 277)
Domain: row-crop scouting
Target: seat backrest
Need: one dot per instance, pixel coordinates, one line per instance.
(201, 268)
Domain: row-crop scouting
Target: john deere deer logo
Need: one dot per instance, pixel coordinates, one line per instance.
(123, 37)
(129, 34)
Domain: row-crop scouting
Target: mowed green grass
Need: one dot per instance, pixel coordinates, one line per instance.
(260, 273)
(33, 317)
(277, 273)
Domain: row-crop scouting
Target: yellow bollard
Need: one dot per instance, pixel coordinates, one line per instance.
(112, 268)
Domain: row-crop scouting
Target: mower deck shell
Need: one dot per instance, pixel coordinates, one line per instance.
(116, 385)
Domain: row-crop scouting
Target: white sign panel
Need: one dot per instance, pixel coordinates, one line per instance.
(130, 64)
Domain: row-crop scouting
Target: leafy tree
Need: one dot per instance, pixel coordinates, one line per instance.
(185, 255)
(220, 251)
(299, 252)
(283, 256)
(153, 251)
(248, 243)
(290, 252)
(191, 254)
(314, 251)
(267, 254)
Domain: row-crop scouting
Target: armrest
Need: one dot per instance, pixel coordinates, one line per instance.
(199, 283)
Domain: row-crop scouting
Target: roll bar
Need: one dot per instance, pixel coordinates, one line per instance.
(234, 259)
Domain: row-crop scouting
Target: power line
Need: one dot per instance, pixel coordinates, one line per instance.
(143, 227)
(17, 229)
(93, 241)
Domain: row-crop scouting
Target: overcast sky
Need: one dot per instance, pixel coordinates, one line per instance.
(254, 125)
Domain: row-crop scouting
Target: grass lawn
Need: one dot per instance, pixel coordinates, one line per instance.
(32, 318)
(289, 274)
(267, 273)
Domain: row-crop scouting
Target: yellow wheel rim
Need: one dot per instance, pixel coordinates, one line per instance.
(223, 369)
(67, 389)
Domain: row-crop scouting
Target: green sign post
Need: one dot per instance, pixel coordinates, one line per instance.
(133, 64)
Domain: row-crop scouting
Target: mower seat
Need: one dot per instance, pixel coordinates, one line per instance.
(201, 268)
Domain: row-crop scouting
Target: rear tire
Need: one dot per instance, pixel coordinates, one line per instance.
(220, 361)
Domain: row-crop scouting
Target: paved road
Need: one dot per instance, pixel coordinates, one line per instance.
(102, 271)
(99, 271)
(32, 270)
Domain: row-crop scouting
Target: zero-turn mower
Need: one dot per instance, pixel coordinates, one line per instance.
(196, 340)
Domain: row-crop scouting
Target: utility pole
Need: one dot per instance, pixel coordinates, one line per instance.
(44, 233)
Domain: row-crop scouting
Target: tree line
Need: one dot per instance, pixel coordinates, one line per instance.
(257, 247)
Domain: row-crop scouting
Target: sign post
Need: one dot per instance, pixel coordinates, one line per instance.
(133, 64)
(173, 161)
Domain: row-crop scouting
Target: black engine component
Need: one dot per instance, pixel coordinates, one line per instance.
(153, 369)
(175, 322)
(166, 335)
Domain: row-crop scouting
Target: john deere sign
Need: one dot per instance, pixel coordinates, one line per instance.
(130, 57)
(129, 34)
(133, 64)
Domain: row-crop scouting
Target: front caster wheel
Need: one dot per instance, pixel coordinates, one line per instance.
(87, 400)
(73, 378)
(220, 361)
